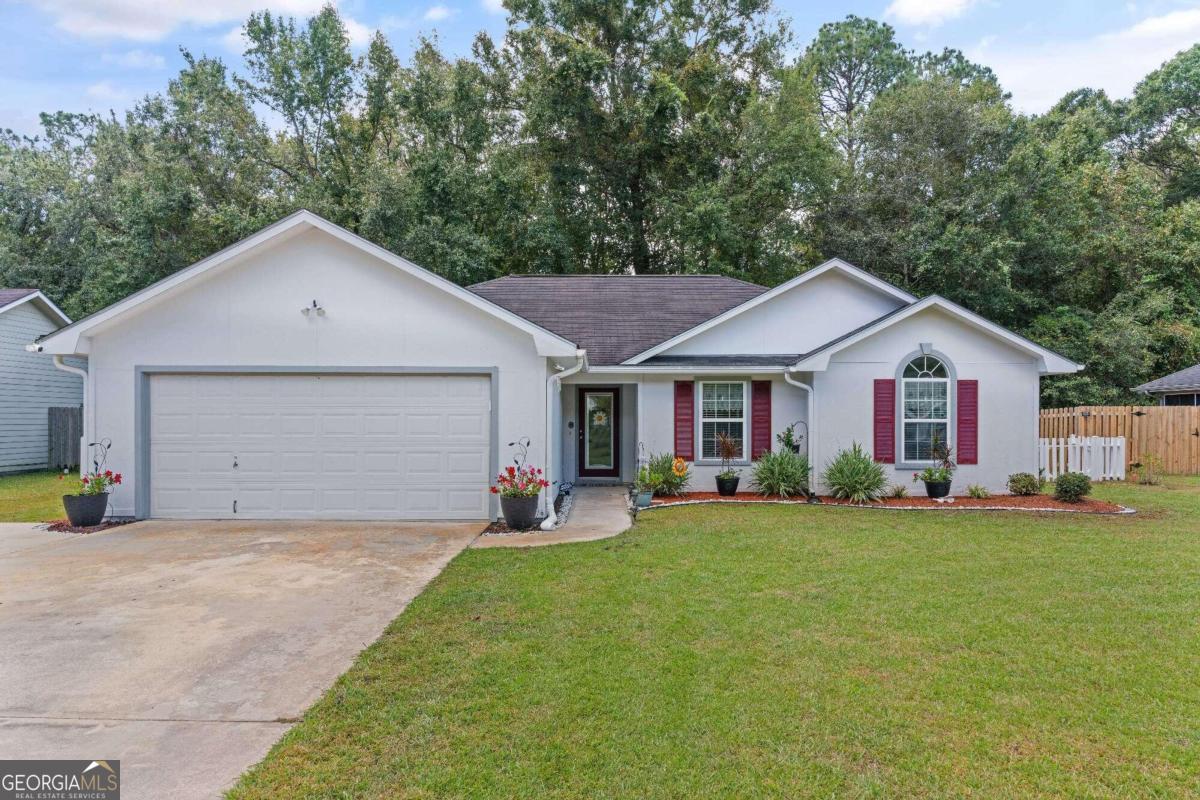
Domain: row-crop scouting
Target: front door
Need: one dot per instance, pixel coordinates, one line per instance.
(599, 432)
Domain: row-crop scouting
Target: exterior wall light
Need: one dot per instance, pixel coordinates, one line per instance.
(314, 308)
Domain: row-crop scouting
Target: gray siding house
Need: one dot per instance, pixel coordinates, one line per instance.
(1177, 389)
(29, 382)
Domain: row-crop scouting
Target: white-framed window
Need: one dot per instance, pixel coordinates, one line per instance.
(722, 410)
(925, 403)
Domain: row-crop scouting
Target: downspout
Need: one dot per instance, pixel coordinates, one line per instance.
(553, 387)
(82, 373)
(812, 422)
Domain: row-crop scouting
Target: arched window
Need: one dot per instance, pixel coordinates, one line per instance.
(925, 393)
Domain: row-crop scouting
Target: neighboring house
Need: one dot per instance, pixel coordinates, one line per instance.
(29, 383)
(1177, 389)
(306, 373)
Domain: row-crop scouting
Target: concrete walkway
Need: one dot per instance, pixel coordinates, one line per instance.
(598, 512)
(186, 649)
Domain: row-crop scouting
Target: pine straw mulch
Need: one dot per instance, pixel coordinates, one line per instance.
(65, 526)
(1038, 502)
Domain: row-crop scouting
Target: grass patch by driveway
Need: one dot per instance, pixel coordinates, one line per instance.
(785, 652)
(31, 497)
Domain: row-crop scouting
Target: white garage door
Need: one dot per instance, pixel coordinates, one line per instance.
(319, 446)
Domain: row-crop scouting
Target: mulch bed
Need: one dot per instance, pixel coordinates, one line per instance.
(1039, 502)
(498, 528)
(64, 526)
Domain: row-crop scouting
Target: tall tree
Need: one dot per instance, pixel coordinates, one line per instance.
(627, 103)
(852, 62)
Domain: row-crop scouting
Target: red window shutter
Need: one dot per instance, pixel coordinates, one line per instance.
(885, 420)
(685, 420)
(967, 442)
(760, 418)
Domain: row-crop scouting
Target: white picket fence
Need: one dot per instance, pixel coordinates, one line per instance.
(1102, 458)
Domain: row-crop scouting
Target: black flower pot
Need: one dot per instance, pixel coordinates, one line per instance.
(519, 512)
(727, 487)
(85, 510)
(936, 489)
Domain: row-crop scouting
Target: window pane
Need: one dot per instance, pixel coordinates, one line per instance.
(925, 399)
(708, 438)
(1180, 400)
(722, 401)
(598, 443)
(925, 367)
(919, 438)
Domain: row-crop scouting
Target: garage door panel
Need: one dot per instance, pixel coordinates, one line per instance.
(332, 446)
(467, 465)
(258, 423)
(189, 501)
(465, 426)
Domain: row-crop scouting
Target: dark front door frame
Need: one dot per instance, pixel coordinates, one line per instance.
(581, 433)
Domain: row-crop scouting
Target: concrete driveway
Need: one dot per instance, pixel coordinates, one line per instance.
(186, 649)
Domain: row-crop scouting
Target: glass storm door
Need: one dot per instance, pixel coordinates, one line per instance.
(599, 432)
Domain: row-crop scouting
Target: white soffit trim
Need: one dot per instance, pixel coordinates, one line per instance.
(67, 340)
(1049, 362)
(46, 304)
(862, 276)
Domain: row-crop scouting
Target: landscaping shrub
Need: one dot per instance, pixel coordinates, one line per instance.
(978, 492)
(1071, 487)
(781, 472)
(853, 475)
(1024, 483)
(899, 491)
(672, 483)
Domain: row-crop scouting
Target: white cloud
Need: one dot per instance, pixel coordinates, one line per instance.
(494, 6)
(926, 12)
(1038, 76)
(135, 59)
(151, 20)
(438, 13)
(107, 92)
(235, 40)
(359, 34)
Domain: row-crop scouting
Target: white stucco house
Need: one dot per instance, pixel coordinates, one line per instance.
(307, 373)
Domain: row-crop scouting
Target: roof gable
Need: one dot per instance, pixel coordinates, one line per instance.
(1049, 362)
(67, 340)
(853, 273)
(11, 298)
(614, 317)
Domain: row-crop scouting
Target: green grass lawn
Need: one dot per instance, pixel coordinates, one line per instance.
(785, 652)
(31, 497)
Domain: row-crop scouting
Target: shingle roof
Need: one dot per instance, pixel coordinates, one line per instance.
(13, 295)
(722, 360)
(1184, 379)
(615, 317)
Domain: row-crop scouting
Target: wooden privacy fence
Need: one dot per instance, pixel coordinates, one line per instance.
(65, 424)
(1170, 434)
(1102, 458)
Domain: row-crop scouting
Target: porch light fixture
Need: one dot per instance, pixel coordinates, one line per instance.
(314, 308)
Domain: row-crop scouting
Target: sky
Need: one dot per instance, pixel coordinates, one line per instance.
(97, 55)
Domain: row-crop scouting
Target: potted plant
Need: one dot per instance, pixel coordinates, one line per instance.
(645, 486)
(85, 508)
(519, 488)
(728, 477)
(939, 476)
